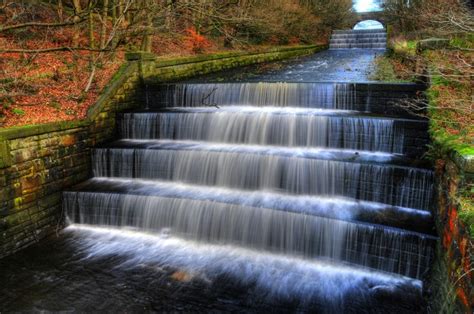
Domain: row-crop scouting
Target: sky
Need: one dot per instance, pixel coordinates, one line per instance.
(368, 25)
(366, 5)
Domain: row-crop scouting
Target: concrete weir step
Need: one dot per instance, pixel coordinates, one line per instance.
(357, 45)
(362, 39)
(358, 40)
(359, 31)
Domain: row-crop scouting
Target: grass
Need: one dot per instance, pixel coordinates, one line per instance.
(18, 112)
(467, 213)
(407, 47)
(443, 297)
(384, 71)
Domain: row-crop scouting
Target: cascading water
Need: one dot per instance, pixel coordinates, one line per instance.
(287, 169)
(245, 125)
(307, 171)
(250, 168)
(365, 39)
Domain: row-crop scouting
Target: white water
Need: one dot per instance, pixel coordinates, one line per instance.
(268, 127)
(275, 276)
(312, 95)
(250, 170)
(278, 184)
(291, 233)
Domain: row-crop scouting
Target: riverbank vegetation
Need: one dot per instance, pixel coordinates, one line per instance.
(446, 59)
(57, 55)
(434, 41)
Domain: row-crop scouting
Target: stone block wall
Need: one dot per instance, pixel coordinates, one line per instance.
(38, 162)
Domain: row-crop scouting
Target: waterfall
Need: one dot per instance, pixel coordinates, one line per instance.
(366, 39)
(316, 173)
(311, 95)
(258, 228)
(257, 170)
(245, 125)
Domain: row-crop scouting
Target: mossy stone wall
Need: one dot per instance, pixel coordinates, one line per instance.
(38, 162)
(455, 175)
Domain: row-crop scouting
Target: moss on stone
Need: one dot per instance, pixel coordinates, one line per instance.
(467, 214)
(166, 61)
(36, 129)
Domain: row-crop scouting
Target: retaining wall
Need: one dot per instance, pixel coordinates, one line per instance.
(455, 175)
(38, 162)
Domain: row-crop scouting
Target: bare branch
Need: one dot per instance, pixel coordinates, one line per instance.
(55, 49)
(35, 24)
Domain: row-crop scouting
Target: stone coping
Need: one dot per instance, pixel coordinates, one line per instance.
(162, 62)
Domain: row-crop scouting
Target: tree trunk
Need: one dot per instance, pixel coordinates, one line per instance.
(105, 14)
(91, 27)
(60, 10)
(147, 37)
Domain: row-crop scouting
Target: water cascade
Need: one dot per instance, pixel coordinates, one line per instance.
(323, 177)
(359, 38)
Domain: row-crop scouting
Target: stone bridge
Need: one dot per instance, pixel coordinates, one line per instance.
(364, 16)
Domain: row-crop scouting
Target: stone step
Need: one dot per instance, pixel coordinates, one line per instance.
(346, 209)
(359, 31)
(264, 168)
(292, 127)
(376, 247)
(377, 98)
(361, 46)
(361, 37)
(356, 41)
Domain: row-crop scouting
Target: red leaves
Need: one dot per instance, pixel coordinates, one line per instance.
(50, 87)
(195, 41)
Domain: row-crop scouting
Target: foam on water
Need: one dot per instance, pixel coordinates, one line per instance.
(290, 232)
(311, 152)
(273, 276)
(268, 127)
(371, 182)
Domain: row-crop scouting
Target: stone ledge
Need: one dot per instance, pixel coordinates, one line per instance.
(464, 162)
(166, 62)
(432, 44)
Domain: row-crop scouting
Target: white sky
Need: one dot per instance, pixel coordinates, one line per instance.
(366, 5)
(368, 25)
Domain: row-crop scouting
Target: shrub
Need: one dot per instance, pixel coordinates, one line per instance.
(195, 41)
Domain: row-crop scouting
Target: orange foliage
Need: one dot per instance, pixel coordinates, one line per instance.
(294, 40)
(47, 87)
(195, 41)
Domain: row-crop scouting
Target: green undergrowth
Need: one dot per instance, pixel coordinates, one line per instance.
(467, 213)
(442, 298)
(445, 145)
(463, 42)
(442, 120)
(384, 71)
(404, 47)
(451, 121)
